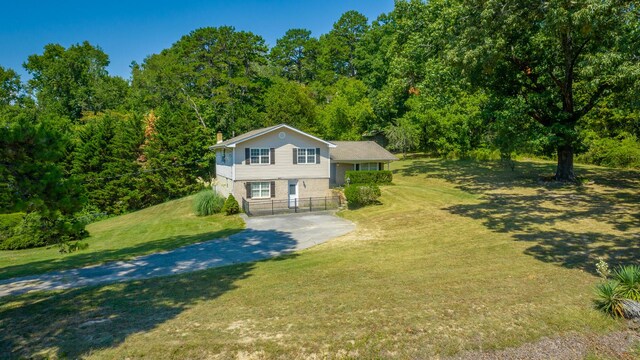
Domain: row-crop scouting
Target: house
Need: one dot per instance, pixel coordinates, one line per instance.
(359, 156)
(283, 163)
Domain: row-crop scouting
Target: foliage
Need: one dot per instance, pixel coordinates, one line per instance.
(295, 55)
(231, 206)
(369, 177)
(602, 268)
(27, 233)
(628, 278)
(337, 52)
(608, 299)
(33, 151)
(349, 113)
(561, 58)
(287, 102)
(10, 86)
(7, 224)
(457, 79)
(623, 151)
(207, 202)
(212, 73)
(174, 156)
(483, 154)
(619, 296)
(403, 136)
(362, 194)
(70, 81)
(105, 158)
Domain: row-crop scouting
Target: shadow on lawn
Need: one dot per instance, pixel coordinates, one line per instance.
(79, 259)
(74, 323)
(518, 203)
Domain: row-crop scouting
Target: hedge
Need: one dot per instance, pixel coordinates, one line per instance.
(362, 195)
(369, 177)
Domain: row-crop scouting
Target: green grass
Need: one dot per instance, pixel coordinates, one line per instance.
(157, 228)
(459, 256)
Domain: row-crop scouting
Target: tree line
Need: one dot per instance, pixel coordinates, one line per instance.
(458, 78)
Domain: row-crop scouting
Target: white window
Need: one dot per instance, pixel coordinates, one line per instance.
(367, 167)
(260, 190)
(306, 156)
(260, 156)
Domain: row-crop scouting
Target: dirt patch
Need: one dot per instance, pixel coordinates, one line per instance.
(617, 345)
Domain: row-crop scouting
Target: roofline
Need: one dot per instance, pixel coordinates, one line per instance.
(362, 160)
(268, 130)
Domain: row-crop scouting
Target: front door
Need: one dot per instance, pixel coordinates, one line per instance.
(293, 193)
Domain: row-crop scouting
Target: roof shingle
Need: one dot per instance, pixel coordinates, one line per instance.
(360, 151)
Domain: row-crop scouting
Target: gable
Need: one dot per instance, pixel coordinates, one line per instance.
(258, 133)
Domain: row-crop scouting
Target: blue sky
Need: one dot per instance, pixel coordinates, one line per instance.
(131, 30)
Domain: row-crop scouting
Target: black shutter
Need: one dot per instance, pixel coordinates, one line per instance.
(380, 166)
(295, 156)
(317, 155)
(247, 156)
(248, 186)
(273, 189)
(357, 167)
(273, 156)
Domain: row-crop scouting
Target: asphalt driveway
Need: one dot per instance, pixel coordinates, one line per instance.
(263, 238)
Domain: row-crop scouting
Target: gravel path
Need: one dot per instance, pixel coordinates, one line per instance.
(616, 345)
(263, 238)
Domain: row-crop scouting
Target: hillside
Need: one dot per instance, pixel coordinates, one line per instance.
(156, 228)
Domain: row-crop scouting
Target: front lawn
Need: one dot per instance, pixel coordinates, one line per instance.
(157, 228)
(459, 256)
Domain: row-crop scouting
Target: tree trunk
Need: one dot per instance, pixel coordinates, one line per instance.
(564, 171)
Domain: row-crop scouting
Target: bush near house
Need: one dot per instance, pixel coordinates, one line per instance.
(362, 194)
(380, 177)
(207, 202)
(231, 206)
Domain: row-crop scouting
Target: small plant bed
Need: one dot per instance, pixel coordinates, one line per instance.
(619, 292)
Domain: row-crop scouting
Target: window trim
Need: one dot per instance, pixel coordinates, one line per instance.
(359, 168)
(261, 190)
(306, 156)
(260, 156)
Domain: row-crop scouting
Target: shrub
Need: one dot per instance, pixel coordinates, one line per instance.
(22, 231)
(623, 151)
(608, 298)
(7, 223)
(620, 296)
(484, 154)
(231, 206)
(628, 278)
(207, 202)
(362, 195)
(28, 233)
(369, 177)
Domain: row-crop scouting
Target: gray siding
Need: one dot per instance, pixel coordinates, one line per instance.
(284, 168)
(224, 168)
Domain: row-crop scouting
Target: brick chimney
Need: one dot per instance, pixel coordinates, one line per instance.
(219, 137)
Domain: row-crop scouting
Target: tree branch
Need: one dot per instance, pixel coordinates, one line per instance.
(595, 97)
(195, 107)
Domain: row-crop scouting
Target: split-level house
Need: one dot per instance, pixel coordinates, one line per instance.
(283, 163)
